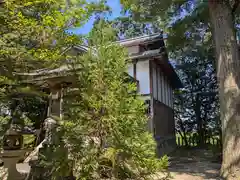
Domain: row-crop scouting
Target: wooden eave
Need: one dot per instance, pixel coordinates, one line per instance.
(141, 40)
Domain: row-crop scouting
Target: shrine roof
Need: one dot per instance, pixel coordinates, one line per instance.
(158, 54)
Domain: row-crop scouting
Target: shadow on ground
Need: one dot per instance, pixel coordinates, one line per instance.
(194, 164)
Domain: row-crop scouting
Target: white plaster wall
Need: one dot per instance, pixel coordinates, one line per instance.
(143, 77)
(142, 68)
(130, 69)
(162, 90)
(133, 49)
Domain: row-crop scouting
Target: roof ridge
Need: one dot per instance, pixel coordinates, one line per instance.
(140, 37)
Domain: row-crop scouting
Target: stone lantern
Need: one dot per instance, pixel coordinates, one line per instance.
(13, 139)
(13, 150)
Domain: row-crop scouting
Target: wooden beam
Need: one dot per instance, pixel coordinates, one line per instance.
(157, 73)
(135, 68)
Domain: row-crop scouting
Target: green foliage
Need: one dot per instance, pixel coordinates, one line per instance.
(104, 35)
(174, 17)
(126, 27)
(33, 36)
(3, 125)
(197, 106)
(105, 125)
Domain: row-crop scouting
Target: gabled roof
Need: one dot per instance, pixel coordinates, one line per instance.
(64, 68)
(141, 39)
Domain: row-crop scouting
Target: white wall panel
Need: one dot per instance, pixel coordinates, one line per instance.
(133, 49)
(143, 77)
(130, 69)
(162, 90)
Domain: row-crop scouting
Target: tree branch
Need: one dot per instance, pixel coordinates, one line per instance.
(235, 6)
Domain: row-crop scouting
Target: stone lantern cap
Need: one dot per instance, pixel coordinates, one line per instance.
(14, 130)
(18, 130)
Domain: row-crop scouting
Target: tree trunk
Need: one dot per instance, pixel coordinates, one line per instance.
(228, 72)
(197, 109)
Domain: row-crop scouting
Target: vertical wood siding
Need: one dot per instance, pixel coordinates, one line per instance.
(159, 83)
(162, 90)
(155, 90)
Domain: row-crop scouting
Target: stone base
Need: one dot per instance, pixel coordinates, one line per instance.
(10, 159)
(166, 145)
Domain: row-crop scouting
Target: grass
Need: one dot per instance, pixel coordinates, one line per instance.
(192, 140)
(28, 141)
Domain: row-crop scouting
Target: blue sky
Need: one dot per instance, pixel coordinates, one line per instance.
(116, 12)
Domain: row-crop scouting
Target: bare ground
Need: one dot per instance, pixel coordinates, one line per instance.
(185, 164)
(194, 164)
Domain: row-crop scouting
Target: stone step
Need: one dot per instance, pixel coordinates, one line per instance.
(23, 168)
